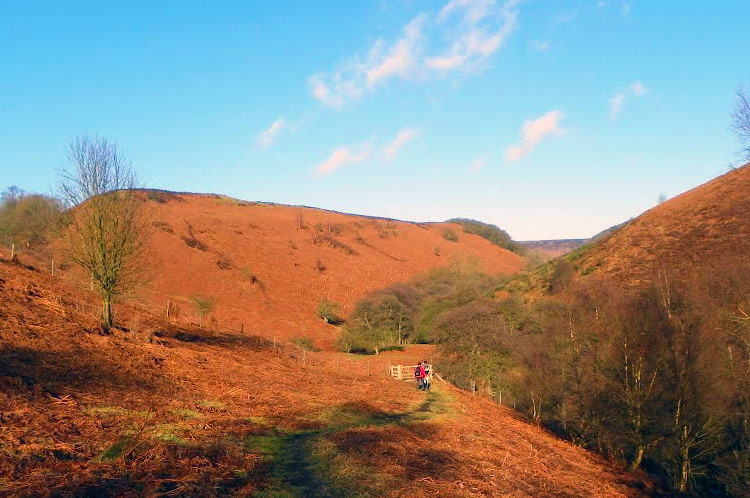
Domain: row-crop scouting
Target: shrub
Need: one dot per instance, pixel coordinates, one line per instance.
(203, 305)
(27, 217)
(305, 343)
(248, 274)
(450, 234)
(320, 266)
(329, 311)
(437, 251)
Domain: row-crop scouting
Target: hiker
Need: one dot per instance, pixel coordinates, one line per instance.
(427, 378)
(419, 374)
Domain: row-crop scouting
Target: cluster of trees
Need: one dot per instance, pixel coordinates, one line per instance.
(659, 377)
(492, 233)
(28, 220)
(404, 313)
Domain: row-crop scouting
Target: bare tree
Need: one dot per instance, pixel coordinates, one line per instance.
(741, 122)
(107, 230)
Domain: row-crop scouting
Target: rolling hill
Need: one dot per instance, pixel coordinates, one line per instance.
(172, 409)
(689, 233)
(269, 266)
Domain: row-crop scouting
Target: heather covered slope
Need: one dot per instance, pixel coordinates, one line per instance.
(705, 226)
(163, 409)
(269, 266)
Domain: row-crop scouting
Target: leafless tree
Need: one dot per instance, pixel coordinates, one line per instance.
(107, 232)
(741, 122)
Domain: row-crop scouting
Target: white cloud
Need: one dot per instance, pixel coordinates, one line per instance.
(475, 40)
(402, 138)
(540, 46)
(616, 103)
(601, 3)
(462, 35)
(343, 156)
(475, 10)
(532, 132)
(267, 136)
(637, 88)
(400, 59)
(626, 8)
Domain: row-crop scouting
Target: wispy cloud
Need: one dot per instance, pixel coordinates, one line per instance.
(481, 32)
(343, 156)
(532, 132)
(616, 103)
(637, 88)
(267, 136)
(540, 46)
(478, 164)
(460, 37)
(402, 138)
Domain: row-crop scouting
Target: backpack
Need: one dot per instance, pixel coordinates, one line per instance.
(416, 372)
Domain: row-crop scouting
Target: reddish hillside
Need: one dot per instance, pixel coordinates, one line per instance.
(705, 226)
(268, 266)
(178, 411)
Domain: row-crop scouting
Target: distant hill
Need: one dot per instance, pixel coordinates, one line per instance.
(268, 266)
(550, 249)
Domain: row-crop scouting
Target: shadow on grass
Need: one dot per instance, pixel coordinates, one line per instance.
(251, 342)
(342, 458)
(58, 371)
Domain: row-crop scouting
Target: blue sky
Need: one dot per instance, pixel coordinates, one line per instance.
(551, 119)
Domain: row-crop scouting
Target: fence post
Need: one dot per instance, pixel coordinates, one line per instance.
(53, 267)
(399, 372)
(13, 251)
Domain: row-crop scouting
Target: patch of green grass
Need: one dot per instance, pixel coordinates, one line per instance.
(186, 413)
(169, 433)
(258, 420)
(116, 450)
(112, 411)
(211, 405)
(266, 444)
(344, 476)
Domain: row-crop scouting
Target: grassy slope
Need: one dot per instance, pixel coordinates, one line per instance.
(198, 413)
(265, 273)
(686, 235)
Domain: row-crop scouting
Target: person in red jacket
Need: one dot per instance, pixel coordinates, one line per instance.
(420, 375)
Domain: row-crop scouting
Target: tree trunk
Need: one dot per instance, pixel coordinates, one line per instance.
(685, 457)
(637, 458)
(106, 314)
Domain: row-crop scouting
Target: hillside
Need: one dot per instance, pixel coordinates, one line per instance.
(666, 294)
(268, 266)
(700, 232)
(687, 234)
(181, 411)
